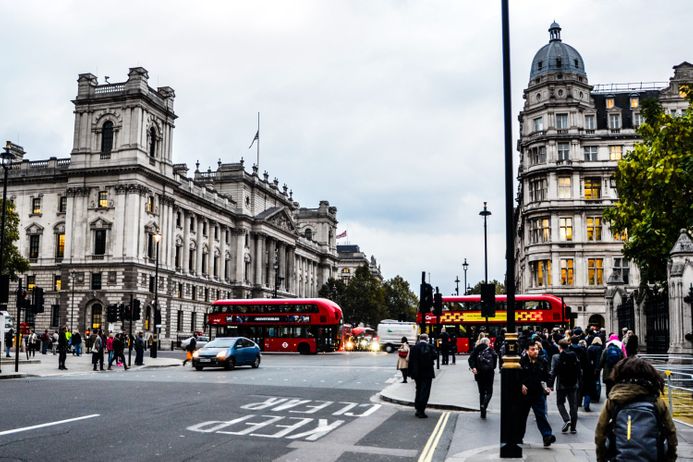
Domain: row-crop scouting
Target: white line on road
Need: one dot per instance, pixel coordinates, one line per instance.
(48, 424)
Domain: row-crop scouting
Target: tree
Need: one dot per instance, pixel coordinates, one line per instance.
(14, 262)
(655, 190)
(364, 298)
(400, 301)
(500, 287)
(333, 289)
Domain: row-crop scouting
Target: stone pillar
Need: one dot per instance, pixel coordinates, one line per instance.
(680, 281)
(185, 257)
(259, 258)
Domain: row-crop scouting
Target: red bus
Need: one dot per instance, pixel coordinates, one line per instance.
(463, 315)
(303, 325)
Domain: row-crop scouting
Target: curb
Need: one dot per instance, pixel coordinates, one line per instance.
(443, 407)
(19, 375)
(156, 366)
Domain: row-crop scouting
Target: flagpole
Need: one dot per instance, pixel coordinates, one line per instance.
(258, 141)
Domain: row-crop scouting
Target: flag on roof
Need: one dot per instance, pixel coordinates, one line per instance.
(257, 138)
(342, 234)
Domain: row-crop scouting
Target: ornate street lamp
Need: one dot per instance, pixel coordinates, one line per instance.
(485, 213)
(465, 267)
(155, 339)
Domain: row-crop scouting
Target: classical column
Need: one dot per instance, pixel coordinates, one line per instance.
(259, 258)
(185, 250)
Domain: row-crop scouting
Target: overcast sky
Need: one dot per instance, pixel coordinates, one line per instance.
(390, 110)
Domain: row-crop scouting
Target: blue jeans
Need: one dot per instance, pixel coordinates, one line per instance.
(78, 349)
(7, 350)
(538, 405)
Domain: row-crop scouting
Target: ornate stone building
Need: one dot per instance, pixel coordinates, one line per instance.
(351, 258)
(572, 135)
(94, 225)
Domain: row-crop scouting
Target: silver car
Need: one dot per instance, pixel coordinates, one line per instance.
(201, 341)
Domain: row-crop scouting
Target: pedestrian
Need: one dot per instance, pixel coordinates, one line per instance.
(139, 349)
(631, 344)
(444, 346)
(565, 374)
(453, 346)
(421, 359)
(593, 386)
(403, 359)
(54, 342)
(9, 340)
(89, 337)
(45, 341)
(97, 348)
(77, 343)
(611, 355)
(118, 352)
(62, 348)
(482, 363)
(109, 347)
(534, 378)
(190, 349)
(635, 423)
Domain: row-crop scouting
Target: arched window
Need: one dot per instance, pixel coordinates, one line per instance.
(308, 234)
(96, 313)
(107, 138)
(152, 142)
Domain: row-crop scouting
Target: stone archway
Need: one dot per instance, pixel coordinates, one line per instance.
(596, 320)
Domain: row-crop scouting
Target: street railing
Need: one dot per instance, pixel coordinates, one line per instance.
(678, 380)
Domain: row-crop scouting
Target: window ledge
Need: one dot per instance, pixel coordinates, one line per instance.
(34, 214)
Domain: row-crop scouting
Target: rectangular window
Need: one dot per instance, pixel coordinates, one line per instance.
(590, 153)
(192, 225)
(179, 321)
(614, 121)
(62, 204)
(227, 236)
(180, 290)
(541, 273)
(227, 265)
(152, 280)
(537, 190)
(95, 281)
(55, 315)
(191, 262)
(57, 283)
(204, 263)
(193, 322)
(590, 122)
(565, 187)
(622, 236)
(595, 271)
(537, 155)
(610, 103)
(60, 245)
(216, 233)
(594, 228)
(567, 272)
(204, 228)
(177, 258)
(621, 268)
(637, 119)
(634, 102)
(36, 206)
(103, 199)
(149, 206)
(538, 124)
(540, 230)
(206, 294)
(615, 152)
(216, 266)
(563, 151)
(592, 188)
(193, 292)
(565, 228)
(178, 219)
(100, 242)
(30, 283)
(562, 121)
(34, 240)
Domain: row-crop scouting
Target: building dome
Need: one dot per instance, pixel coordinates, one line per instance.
(557, 56)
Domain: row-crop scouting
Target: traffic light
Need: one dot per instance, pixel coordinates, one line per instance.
(38, 300)
(438, 303)
(426, 297)
(488, 300)
(123, 312)
(135, 310)
(4, 288)
(157, 317)
(112, 313)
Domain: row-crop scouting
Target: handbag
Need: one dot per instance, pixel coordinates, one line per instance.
(402, 353)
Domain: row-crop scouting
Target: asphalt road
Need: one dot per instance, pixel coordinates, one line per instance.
(321, 408)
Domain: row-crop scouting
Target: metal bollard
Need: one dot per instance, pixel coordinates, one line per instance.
(671, 402)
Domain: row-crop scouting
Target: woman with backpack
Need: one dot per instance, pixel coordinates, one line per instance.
(611, 355)
(594, 355)
(482, 363)
(403, 359)
(635, 423)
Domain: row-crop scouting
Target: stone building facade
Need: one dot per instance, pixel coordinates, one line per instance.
(572, 135)
(351, 258)
(94, 225)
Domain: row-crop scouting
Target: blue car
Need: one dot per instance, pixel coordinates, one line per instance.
(227, 352)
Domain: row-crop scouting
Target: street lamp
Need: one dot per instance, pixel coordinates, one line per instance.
(485, 213)
(465, 267)
(457, 285)
(73, 275)
(155, 340)
(277, 278)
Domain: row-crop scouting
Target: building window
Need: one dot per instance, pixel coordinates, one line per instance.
(227, 268)
(62, 204)
(565, 228)
(149, 206)
(177, 258)
(107, 138)
(192, 224)
(103, 199)
(216, 266)
(191, 262)
(622, 236)
(30, 283)
(180, 290)
(637, 119)
(541, 273)
(634, 102)
(36, 206)
(615, 152)
(60, 245)
(538, 124)
(595, 271)
(562, 121)
(179, 217)
(193, 292)
(308, 233)
(590, 122)
(204, 228)
(563, 151)
(152, 142)
(193, 321)
(537, 190)
(96, 316)
(565, 187)
(537, 155)
(152, 281)
(567, 272)
(593, 188)
(34, 241)
(614, 121)
(95, 281)
(227, 237)
(539, 231)
(594, 228)
(621, 268)
(55, 315)
(216, 232)
(590, 153)
(610, 102)
(179, 320)
(57, 283)
(206, 294)
(99, 242)
(204, 262)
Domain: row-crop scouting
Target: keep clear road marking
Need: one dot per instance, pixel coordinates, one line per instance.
(48, 424)
(432, 443)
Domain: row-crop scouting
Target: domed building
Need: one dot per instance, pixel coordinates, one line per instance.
(572, 135)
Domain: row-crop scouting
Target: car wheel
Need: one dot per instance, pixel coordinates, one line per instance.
(198, 368)
(256, 363)
(230, 364)
(389, 348)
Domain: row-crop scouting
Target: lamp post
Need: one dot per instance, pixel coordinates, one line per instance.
(465, 267)
(73, 276)
(155, 340)
(457, 285)
(485, 213)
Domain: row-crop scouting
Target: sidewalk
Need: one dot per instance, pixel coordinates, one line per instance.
(478, 439)
(47, 365)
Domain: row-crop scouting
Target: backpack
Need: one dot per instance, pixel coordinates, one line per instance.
(635, 433)
(567, 369)
(485, 359)
(613, 355)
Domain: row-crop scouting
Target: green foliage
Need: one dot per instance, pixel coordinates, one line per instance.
(500, 287)
(401, 302)
(655, 189)
(14, 263)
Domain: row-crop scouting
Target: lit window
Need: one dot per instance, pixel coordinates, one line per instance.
(149, 206)
(595, 271)
(60, 245)
(563, 151)
(622, 236)
(541, 273)
(593, 188)
(36, 206)
(615, 152)
(565, 186)
(637, 119)
(567, 271)
(561, 121)
(57, 283)
(103, 199)
(34, 240)
(565, 228)
(538, 124)
(594, 228)
(590, 153)
(30, 283)
(634, 102)
(614, 121)
(590, 122)
(610, 103)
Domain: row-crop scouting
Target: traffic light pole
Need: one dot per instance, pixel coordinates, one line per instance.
(19, 321)
(132, 302)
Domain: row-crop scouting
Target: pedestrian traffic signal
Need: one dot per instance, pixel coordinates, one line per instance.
(135, 310)
(112, 313)
(123, 312)
(38, 300)
(157, 317)
(426, 297)
(438, 304)
(488, 300)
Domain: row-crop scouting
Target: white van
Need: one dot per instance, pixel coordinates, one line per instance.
(390, 333)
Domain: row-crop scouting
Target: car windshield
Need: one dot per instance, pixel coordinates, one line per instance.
(221, 343)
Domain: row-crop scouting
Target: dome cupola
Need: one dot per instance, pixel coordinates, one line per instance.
(557, 57)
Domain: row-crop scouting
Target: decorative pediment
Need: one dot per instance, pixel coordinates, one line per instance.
(59, 228)
(279, 217)
(34, 228)
(100, 223)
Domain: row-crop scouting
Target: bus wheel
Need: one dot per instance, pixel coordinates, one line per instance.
(303, 349)
(389, 348)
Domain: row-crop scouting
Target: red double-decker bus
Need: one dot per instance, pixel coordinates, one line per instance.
(463, 315)
(303, 325)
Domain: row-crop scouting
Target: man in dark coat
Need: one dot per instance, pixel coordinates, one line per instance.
(62, 349)
(118, 352)
(482, 363)
(421, 359)
(565, 374)
(444, 346)
(139, 349)
(631, 344)
(534, 378)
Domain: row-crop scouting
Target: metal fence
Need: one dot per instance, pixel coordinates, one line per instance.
(678, 379)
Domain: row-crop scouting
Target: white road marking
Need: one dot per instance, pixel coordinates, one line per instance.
(48, 424)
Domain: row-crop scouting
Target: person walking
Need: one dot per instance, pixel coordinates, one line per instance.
(62, 348)
(32, 344)
(190, 349)
(403, 359)
(594, 354)
(118, 352)
(97, 348)
(611, 355)
(633, 408)
(45, 341)
(453, 346)
(631, 344)
(421, 359)
(77, 343)
(54, 342)
(109, 347)
(139, 349)
(565, 374)
(482, 363)
(444, 346)
(534, 378)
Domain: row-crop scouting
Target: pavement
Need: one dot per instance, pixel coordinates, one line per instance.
(454, 389)
(47, 365)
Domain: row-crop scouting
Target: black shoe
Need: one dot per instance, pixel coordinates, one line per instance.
(548, 440)
(421, 415)
(573, 431)
(565, 428)
(587, 409)
(483, 413)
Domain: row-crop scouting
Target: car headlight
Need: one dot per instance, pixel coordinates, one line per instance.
(350, 345)
(375, 346)
(196, 354)
(221, 356)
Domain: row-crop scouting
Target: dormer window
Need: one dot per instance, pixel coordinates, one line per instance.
(610, 102)
(559, 62)
(634, 102)
(540, 65)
